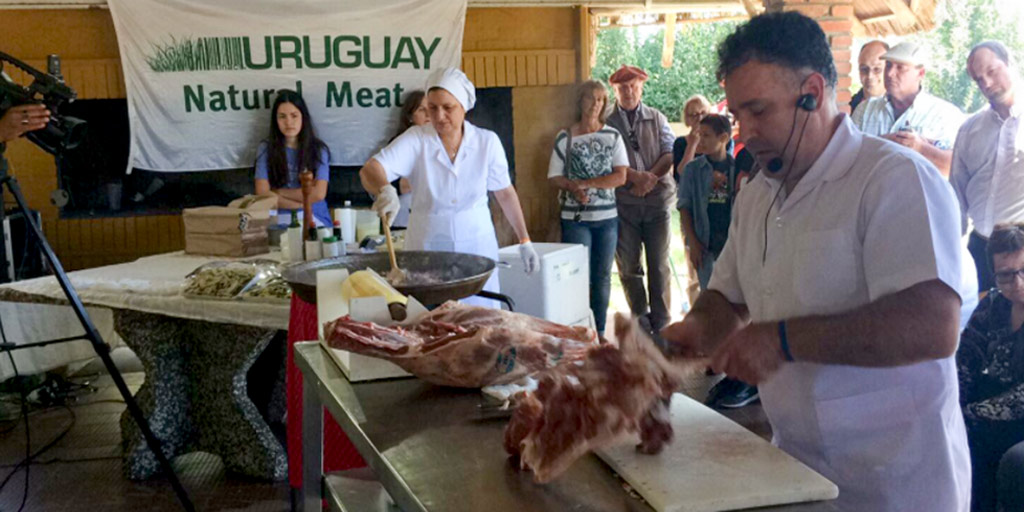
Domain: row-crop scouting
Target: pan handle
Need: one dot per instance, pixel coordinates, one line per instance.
(503, 264)
(501, 297)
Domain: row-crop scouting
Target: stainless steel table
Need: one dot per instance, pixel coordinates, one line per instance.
(431, 451)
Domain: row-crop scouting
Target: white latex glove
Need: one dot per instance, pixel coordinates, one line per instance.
(387, 204)
(530, 258)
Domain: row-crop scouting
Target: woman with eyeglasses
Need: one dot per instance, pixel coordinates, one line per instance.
(588, 162)
(990, 363)
(684, 149)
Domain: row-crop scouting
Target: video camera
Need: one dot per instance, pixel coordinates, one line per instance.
(62, 132)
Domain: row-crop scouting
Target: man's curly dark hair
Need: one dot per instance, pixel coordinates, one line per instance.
(788, 39)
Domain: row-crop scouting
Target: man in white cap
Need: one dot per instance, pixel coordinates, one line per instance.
(907, 114)
(988, 157)
(452, 165)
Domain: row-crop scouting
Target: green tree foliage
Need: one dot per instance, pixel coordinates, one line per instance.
(693, 66)
(960, 24)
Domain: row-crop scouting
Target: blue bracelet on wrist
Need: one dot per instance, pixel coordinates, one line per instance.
(784, 341)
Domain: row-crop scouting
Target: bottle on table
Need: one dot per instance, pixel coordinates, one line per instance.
(347, 216)
(293, 237)
(329, 247)
(313, 250)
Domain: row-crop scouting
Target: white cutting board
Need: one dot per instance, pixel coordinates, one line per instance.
(330, 306)
(715, 464)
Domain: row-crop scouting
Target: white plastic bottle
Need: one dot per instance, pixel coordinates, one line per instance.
(348, 223)
(330, 247)
(294, 238)
(313, 248)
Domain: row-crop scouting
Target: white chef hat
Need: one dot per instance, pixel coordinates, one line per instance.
(457, 83)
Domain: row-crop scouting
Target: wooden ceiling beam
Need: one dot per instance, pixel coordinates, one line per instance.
(753, 7)
(902, 12)
(879, 19)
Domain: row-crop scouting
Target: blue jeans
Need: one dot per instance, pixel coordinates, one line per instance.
(707, 265)
(600, 238)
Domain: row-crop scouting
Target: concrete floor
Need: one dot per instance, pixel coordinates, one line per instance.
(82, 472)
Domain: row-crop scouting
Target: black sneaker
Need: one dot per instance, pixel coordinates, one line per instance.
(742, 394)
(720, 390)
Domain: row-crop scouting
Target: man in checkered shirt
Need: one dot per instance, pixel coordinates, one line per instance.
(909, 115)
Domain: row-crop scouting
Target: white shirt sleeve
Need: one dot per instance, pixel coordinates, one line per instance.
(960, 176)
(910, 229)
(667, 137)
(497, 164)
(556, 166)
(619, 156)
(399, 157)
(858, 114)
(949, 125)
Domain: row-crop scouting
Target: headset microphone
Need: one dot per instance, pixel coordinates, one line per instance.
(806, 102)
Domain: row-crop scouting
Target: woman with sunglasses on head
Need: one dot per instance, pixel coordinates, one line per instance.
(589, 161)
(990, 363)
(291, 149)
(685, 148)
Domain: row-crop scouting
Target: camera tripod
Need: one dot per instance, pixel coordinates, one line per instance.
(99, 346)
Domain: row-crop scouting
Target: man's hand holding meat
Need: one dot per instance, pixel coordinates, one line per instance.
(752, 354)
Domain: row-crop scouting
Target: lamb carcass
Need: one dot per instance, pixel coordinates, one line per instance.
(465, 346)
(610, 396)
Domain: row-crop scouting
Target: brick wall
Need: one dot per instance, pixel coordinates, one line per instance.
(836, 19)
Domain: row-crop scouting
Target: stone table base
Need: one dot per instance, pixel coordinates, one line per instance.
(195, 394)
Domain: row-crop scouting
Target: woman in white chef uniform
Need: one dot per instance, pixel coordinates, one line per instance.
(452, 165)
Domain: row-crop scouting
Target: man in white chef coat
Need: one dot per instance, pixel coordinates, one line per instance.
(836, 292)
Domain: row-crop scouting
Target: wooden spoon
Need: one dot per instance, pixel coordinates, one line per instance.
(396, 275)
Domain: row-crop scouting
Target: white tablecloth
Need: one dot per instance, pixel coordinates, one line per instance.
(152, 284)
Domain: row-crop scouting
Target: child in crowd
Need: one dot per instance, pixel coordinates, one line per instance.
(707, 189)
(705, 195)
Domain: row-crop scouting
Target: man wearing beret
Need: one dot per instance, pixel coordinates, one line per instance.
(645, 201)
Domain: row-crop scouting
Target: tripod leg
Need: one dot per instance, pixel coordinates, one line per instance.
(100, 346)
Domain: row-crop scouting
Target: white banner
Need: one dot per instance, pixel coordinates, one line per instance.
(201, 75)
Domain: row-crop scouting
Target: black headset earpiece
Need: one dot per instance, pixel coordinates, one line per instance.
(807, 102)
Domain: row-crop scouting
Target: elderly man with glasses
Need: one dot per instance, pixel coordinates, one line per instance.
(645, 201)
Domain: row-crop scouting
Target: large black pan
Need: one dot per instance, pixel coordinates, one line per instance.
(460, 275)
